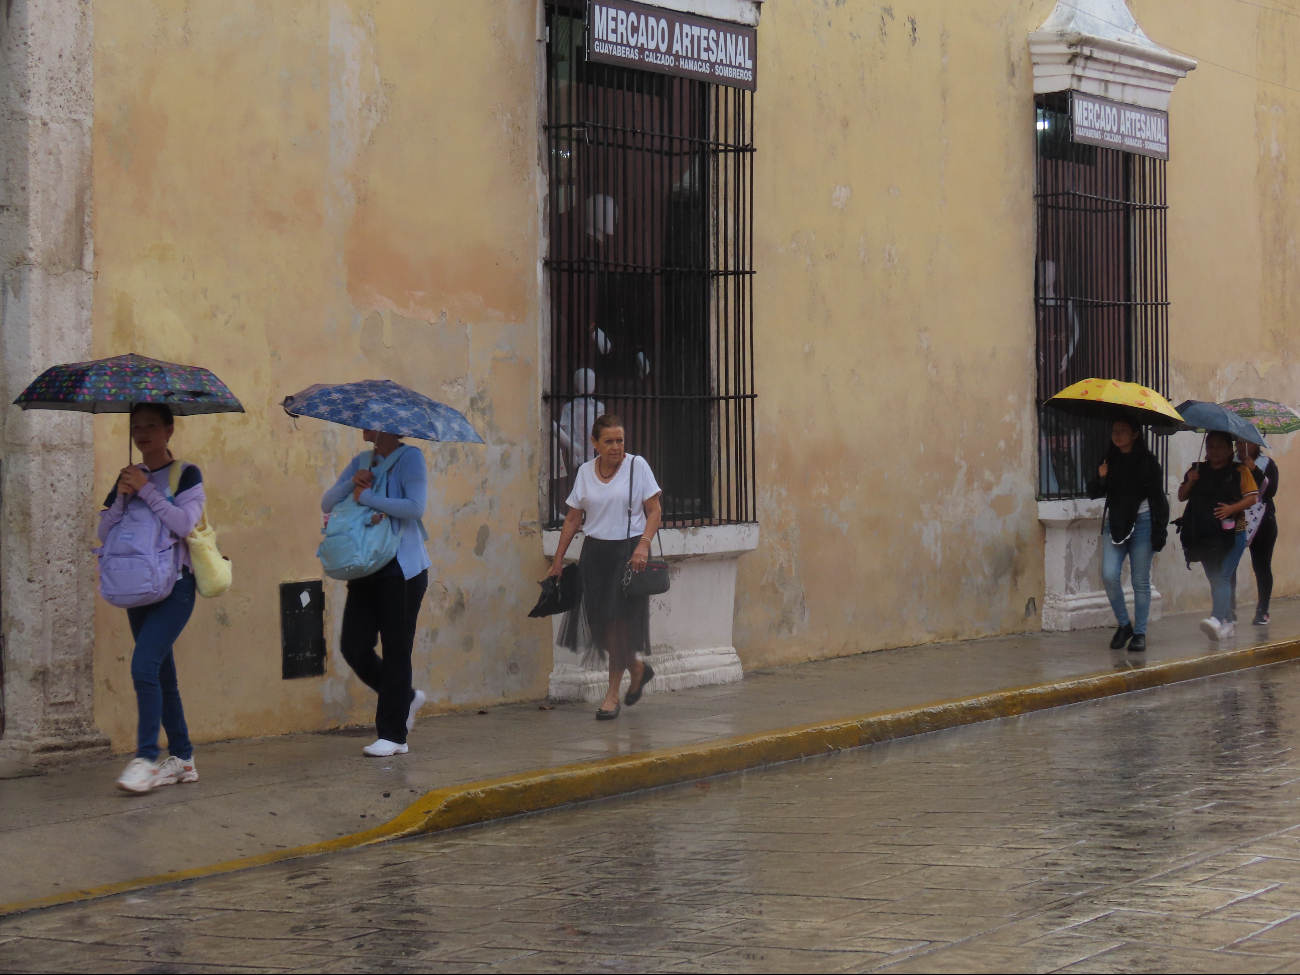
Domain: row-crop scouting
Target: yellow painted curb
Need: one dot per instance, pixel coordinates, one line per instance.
(513, 795)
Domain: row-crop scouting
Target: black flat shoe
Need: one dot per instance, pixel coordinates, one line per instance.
(647, 675)
(603, 715)
(1138, 644)
(1121, 637)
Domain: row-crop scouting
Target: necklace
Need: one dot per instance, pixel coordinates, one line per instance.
(606, 478)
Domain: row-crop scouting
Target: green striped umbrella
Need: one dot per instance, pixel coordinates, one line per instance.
(1268, 416)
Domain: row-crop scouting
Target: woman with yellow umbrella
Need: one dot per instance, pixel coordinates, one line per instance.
(1136, 523)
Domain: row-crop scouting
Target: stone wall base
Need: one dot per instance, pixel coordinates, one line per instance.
(1072, 568)
(675, 670)
(1085, 610)
(51, 750)
(690, 625)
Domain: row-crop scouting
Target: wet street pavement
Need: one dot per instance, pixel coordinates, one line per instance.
(1157, 831)
(70, 829)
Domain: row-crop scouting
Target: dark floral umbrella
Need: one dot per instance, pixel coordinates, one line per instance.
(117, 384)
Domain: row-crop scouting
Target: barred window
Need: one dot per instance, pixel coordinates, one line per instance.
(650, 275)
(1100, 287)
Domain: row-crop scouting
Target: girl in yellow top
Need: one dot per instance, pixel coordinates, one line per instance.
(1226, 489)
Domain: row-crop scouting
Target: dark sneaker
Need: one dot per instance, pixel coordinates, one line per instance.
(1138, 644)
(1121, 637)
(1261, 618)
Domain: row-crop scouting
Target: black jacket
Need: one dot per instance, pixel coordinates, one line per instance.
(1131, 479)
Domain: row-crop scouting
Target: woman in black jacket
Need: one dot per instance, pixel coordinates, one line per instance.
(1137, 526)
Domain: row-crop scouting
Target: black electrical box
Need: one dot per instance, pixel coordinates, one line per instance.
(302, 629)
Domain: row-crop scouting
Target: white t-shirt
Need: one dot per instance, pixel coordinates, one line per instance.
(606, 505)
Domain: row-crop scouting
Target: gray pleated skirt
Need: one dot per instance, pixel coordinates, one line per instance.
(606, 624)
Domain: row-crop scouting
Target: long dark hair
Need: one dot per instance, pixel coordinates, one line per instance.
(1140, 447)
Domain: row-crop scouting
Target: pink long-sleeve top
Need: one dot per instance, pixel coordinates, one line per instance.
(179, 515)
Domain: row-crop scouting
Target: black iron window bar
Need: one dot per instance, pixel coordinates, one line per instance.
(650, 276)
(1101, 294)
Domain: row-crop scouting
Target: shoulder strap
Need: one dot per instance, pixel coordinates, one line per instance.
(384, 467)
(631, 476)
(174, 477)
(174, 483)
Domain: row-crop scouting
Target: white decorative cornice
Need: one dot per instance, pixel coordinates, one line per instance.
(736, 11)
(1096, 46)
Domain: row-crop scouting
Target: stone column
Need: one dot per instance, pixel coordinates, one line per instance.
(46, 576)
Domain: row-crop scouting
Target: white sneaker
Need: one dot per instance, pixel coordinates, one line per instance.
(416, 703)
(178, 770)
(383, 748)
(1227, 630)
(141, 775)
(1212, 628)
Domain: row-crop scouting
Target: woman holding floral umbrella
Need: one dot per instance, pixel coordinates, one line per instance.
(1271, 418)
(161, 491)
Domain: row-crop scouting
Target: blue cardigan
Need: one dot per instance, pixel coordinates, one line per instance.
(406, 493)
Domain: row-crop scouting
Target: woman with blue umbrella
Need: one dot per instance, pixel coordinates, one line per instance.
(1218, 492)
(391, 484)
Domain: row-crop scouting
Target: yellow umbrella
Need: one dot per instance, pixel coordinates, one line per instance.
(1111, 399)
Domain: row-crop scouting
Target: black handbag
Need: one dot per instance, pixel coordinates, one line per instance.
(653, 579)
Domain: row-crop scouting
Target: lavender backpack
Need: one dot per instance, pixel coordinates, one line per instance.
(137, 564)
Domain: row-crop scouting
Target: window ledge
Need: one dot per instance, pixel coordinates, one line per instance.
(1063, 514)
(708, 543)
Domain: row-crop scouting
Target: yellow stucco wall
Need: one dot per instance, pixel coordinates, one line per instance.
(894, 215)
(322, 191)
(1233, 219)
(326, 190)
(895, 263)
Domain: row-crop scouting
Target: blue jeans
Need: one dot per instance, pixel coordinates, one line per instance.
(1137, 547)
(1220, 570)
(153, 671)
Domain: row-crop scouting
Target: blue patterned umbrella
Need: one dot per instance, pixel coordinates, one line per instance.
(383, 405)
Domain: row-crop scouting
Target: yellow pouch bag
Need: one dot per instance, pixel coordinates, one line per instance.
(212, 570)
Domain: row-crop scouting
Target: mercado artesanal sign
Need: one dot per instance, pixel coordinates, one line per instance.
(1115, 125)
(638, 35)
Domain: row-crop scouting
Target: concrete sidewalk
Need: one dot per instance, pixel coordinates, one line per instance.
(70, 833)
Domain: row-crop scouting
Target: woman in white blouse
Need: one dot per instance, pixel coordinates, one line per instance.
(615, 503)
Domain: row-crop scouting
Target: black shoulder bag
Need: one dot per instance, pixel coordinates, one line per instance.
(653, 579)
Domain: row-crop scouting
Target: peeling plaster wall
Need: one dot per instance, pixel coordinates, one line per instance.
(321, 191)
(895, 365)
(895, 343)
(1234, 215)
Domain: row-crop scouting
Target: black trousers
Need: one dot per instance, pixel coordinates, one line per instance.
(1261, 559)
(384, 608)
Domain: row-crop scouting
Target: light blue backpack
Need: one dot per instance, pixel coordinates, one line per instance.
(354, 546)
